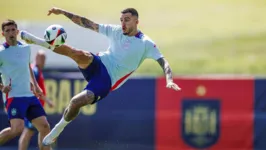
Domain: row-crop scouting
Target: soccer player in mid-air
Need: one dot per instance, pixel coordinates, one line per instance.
(17, 77)
(107, 70)
(29, 129)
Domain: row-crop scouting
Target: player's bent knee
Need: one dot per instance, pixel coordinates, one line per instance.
(44, 125)
(82, 99)
(41, 124)
(90, 97)
(75, 104)
(43, 128)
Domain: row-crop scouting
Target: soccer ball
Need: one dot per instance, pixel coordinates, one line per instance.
(55, 35)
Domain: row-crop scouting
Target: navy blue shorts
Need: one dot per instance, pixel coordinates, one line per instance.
(24, 107)
(99, 81)
(29, 125)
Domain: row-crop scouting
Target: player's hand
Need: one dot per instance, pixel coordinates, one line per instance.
(6, 89)
(172, 85)
(56, 11)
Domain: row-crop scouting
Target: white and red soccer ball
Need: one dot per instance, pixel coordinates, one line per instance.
(55, 35)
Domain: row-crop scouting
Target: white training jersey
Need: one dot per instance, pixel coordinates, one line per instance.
(14, 68)
(125, 53)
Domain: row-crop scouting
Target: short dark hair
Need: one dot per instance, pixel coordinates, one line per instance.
(8, 22)
(133, 11)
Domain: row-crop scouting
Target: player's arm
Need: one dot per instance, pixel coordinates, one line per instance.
(168, 73)
(77, 19)
(81, 21)
(48, 101)
(34, 83)
(3, 88)
(166, 68)
(153, 52)
(32, 77)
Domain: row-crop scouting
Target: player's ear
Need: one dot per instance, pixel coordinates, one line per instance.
(137, 21)
(17, 32)
(2, 33)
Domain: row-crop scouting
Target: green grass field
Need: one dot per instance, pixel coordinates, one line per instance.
(197, 37)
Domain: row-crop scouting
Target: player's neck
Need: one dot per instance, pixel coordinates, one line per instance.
(134, 32)
(12, 43)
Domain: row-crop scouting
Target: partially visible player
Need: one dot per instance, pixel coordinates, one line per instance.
(105, 72)
(29, 129)
(37, 68)
(17, 76)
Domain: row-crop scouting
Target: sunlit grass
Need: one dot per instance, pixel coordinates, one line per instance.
(197, 37)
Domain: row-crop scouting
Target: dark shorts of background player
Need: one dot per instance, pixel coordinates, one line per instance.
(24, 107)
(99, 81)
(29, 125)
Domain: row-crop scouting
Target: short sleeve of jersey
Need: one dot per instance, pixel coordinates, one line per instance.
(108, 30)
(152, 50)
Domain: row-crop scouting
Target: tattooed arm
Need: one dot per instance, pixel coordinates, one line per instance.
(166, 68)
(79, 20)
(168, 74)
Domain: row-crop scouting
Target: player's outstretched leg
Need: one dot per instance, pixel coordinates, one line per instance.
(71, 112)
(81, 57)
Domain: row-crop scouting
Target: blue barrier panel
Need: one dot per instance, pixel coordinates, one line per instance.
(123, 120)
(260, 114)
